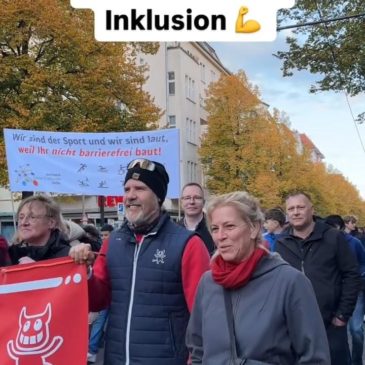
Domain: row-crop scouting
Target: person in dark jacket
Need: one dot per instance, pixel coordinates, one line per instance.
(39, 234)
(105, 231)
(276, 319)
(356, 325)
(92, 236)
(323, 255)
(192, 203)
(148, 272)
(4, 252)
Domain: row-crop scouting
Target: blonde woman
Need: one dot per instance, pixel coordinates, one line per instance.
(252, 307)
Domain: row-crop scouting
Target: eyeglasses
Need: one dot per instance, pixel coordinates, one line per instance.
(195, 197)
(31, 218)
(143, 164)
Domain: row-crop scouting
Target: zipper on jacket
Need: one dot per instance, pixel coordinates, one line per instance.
(302, 266)
(131, 299)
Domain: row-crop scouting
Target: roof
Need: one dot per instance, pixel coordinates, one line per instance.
(308, 143)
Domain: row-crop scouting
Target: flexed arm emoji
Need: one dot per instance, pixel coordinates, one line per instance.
(250, 26)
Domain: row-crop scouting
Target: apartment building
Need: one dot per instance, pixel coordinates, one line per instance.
(178, 77)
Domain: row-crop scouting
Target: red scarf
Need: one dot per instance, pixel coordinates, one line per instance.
(233, 276)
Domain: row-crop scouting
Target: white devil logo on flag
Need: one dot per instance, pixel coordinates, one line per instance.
(43, 313)
(33, 343)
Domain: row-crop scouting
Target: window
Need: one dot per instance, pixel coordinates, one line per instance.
(191, 171)
(201, 101)
(191, 130)
(202, 72)
(172, 121)
(171, 80)
(189, 88)
(192, 95)
(212, 76)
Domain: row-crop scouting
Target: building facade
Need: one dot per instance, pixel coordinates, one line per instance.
(177, 78)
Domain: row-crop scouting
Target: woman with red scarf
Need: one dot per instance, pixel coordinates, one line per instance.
(275, 317)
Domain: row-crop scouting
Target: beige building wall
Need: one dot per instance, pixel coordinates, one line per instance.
(179, 74)
(182, 71)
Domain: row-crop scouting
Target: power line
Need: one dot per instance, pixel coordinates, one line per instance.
(321, 21)
(335, 62)
(325, 22)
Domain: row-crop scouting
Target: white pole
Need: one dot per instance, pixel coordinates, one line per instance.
(12, 206)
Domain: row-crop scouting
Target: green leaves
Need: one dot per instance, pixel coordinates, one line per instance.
(335, 50)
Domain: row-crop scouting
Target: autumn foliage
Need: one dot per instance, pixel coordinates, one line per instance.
(247, 148)
(55, 76)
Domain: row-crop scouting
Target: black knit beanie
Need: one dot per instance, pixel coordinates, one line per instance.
(157, 180)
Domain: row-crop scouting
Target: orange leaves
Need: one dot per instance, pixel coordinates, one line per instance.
(246, 148)
(54, 75)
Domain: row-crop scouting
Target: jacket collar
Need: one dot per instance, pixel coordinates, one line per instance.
(318, 231)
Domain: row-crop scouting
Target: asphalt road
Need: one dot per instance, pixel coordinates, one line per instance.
(99, 359)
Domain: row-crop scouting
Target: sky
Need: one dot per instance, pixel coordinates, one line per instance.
(324, 117)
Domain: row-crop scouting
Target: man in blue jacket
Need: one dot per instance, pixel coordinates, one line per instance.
(274, 225)
(323, 255)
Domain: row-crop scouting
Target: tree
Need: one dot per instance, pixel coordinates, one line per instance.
(229, 103)
(335, 50)
(55, 76)
(246, 148)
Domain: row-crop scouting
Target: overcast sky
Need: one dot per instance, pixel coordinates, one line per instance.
(325, 117)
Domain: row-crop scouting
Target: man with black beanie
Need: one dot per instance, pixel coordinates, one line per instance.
(148, 271)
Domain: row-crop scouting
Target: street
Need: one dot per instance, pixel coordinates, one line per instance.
(99, 359)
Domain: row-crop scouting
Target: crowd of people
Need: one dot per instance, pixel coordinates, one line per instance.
(226, 284)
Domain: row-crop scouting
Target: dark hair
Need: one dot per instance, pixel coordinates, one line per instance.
(335, 221)
(106, 228)
(91, 236)
(276, 214)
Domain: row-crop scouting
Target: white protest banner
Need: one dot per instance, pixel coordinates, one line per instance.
(86, 163)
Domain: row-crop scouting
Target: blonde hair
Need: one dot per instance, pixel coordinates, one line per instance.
(246, 205)
(53, 210)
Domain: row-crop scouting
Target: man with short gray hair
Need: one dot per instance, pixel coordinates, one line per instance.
(323, 255)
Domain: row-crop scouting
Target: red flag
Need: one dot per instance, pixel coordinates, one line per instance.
(43, 313)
